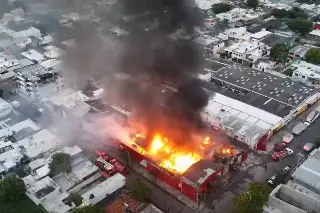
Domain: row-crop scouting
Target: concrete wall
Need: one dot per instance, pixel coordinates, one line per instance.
(276, 205)
(300, 200)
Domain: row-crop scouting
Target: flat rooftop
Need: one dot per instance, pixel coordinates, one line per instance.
(263, 90)
(18, 127)
(105, 188)
(81, 168)
(38, 143)
(309, 171)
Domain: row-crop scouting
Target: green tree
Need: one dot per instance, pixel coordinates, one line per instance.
(296, 12)
(221, 8)
(279, 13)
(242, 203)
(300, 25)
(61, 162)
(253, 200)
(140, 191)
(253, 3)
(89, 209)
(12, 188)
(75, 198)
(308, 1)
(279, 52)
(313, 56)
(288, 72)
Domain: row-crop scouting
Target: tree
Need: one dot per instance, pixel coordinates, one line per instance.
(279, 52)
(12, 188)
(140, 191)
(253, 200)
(242, 203)
(296, 12)
(313, 56)
(288, 72)
(61, 162)
(300, 25)
(253, 3)
(221, 8)
(75, 198)
(308, 1)
(89, 209)
(279, 13)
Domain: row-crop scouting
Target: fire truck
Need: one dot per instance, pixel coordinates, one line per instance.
(118, 167)
(105, 166)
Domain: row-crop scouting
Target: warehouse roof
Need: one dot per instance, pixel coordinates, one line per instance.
(309, 171)
(200, 171)
(271, 93)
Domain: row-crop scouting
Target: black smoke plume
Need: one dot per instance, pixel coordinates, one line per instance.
(150, 57)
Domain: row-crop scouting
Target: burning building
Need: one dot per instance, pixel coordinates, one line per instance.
(188, 169)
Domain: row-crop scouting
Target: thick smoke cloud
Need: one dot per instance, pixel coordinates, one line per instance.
(146, 59)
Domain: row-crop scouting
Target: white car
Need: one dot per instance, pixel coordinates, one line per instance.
(289, 151)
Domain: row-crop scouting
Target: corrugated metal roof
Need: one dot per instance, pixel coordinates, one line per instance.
(309, 171)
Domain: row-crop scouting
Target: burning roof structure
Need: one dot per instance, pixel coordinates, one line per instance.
(191, 167)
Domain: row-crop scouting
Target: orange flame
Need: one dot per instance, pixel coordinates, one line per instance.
(226, 151)
(170, 159)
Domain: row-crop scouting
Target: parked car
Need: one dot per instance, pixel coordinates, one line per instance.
(272, 179)
(287, 138)
(279, 146)
(289, 151)
(286, 169)
(308, 147)
(297, 129)
(311, 117)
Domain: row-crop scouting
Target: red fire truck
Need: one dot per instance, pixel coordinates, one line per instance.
(119, 167)
(105, 166)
